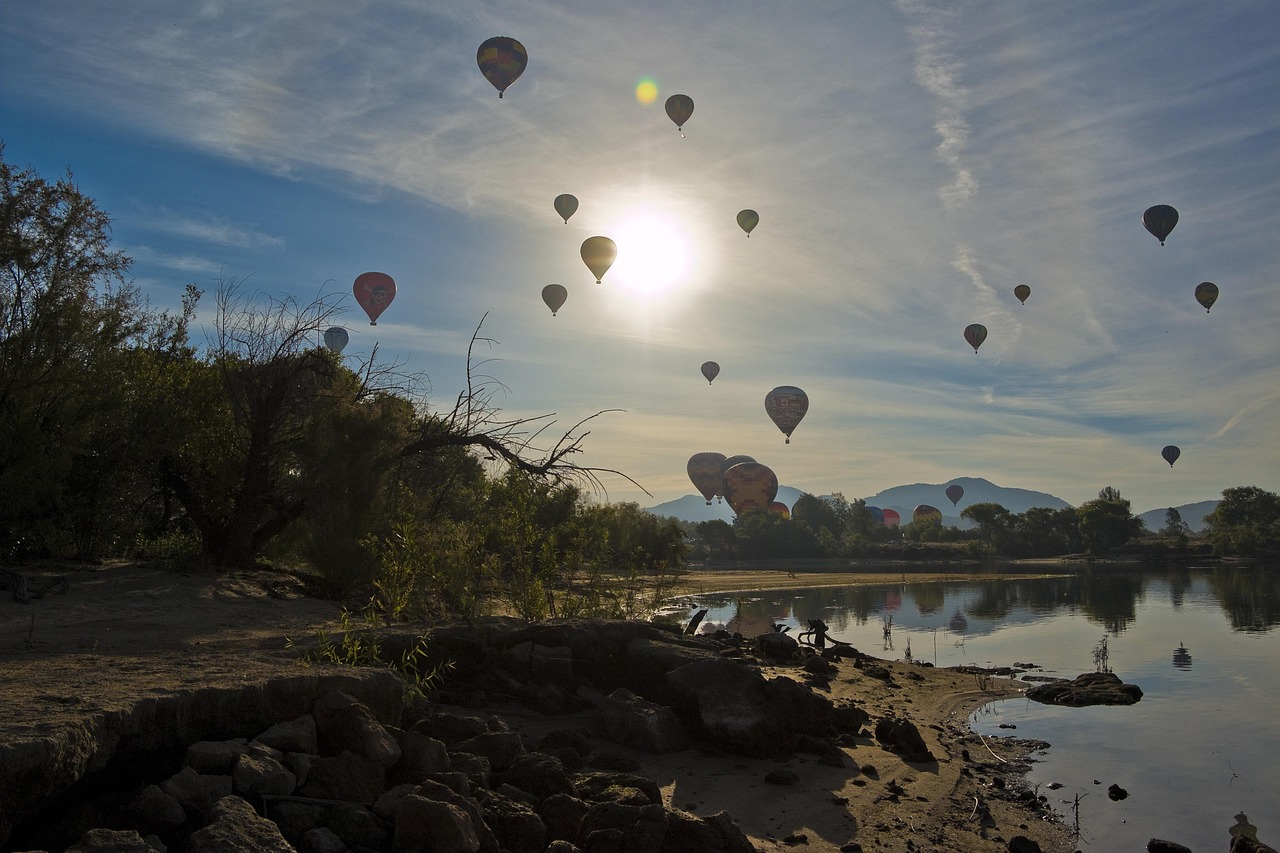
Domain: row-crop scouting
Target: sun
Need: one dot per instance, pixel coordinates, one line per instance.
(653, 254)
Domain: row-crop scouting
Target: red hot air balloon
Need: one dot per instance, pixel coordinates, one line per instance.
(891, 517)
(975, 334)
(1171, 454)
(1022, 291)
(374, 291)
(679, 109)
(924, 511)
(786, 406)
(954, 493)
(554, 295)
(599, 253)
(1159, 220)
(710, 370)
(566, 205)
(1206, 294)
(502, 60)
(748, 486)
(706, 473)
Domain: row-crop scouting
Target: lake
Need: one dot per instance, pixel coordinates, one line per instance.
(1202, 745)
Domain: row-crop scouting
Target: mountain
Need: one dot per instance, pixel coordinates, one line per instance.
(1192, 514)
(694, 507)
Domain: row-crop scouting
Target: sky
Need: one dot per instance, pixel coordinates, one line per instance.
(911, 163)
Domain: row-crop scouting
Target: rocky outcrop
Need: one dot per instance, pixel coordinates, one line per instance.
(1091, 688)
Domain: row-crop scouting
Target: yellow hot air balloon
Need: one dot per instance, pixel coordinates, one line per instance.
(748, 486)
(599, 253)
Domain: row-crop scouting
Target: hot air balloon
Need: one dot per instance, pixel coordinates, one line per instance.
(1022, 291)
(955, 493)
(566, 205)
(786, 406)
(554, 295)
(924, 511)
(1170, 454)
(748, 220)
(706, 473)
(374, 291)
(599, 253)
(748, 486)
(679, 108)
(1159, 220)
(975, 334)
(780, 509)
(502, 60)
(891, 517)
(729, 463)
(1206, 294)
(336, 338)
(710, 370)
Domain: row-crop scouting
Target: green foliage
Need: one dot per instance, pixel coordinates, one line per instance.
(1245, 521)
(1107, 523)
(993, 520)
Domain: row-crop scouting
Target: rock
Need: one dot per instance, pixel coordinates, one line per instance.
(155, 808)
(322, 839)
(626, 719)
(1159, 845)
(781, 777)
(541, 774)
(430, 826)
(903, 738)
(1091, 688)
(500, 748)
(111, 841)
(516, 825)
(533, 662)
(348, 776)
(257, 775)
(595, 786)
(1022, 844)
(358, 826)
(296, 735)
(777, 646)
(717, 833)
(236, 828)
(728, 702)
(1116, 793)
(627, 829)
(343, 723)
(562, 815)
(420, 756)
(196, 792)
(215, 757)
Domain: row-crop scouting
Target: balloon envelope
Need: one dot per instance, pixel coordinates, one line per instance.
(729, 463)
(1159, 220)
(779, 508)
(975, 334)
(566, 205)
(1022, 291)
(710, 370)
(706, 473)
(554, 295)
(679, 108)
(749, 485)
(599, 253)
(374, 291)
(924, 511)
(955, 493)
(336, 339)
(786, 406)
(891, 518)
(501, 59)
(1206, 294)
(748, 220)
(1171, 454)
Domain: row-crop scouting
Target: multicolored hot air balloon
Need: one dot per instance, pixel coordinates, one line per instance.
(1159, 220)
(374, 291)
(748, 220)
(336, 339)
(1206, 294)
(502, 60)
(748, 486)
(891, 517)
(1022, 291)
(729, 463)
(779, 509)
(1170, 454)
(679, 108)
(710, 370)
(554, 295)
(599, 253)
(566, 205)
(954, 493)
(923, 512)
(975, 334)
(786, 406)
(706, 473)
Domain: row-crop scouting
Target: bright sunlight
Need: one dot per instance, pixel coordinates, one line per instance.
(653, 255)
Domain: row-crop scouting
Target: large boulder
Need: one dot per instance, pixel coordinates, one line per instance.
(236, 828)
(625, 718)
(1091, 688)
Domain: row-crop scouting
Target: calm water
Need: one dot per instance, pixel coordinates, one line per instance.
(1204, 646)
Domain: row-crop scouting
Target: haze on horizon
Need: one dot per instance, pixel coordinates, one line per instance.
(911, 164)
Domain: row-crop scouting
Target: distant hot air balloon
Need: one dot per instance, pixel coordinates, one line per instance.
(1159, 220)
(1022, 291)
(374, 291)
(955, 493)
(502, 61)
(566, 205)
(1206, 294)
(780, 509)
(891, 518)
(1170, 454)
(748, 220)
(876, 513)
(975, 334)
(748, 486)
(336, 338)
(554, 295)
(706, 473)
(923, 512)
(599, 253)
(786, 406)
(679, 108)
(710, 370)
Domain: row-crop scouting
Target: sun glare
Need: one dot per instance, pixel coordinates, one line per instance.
(653, 255)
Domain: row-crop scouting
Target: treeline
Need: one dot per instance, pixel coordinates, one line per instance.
(1246, 522)
(121, 437)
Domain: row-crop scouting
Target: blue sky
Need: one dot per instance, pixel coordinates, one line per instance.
(911, 163)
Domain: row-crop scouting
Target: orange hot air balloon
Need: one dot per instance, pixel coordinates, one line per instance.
(748, 486)
(1022, 291)
(924, 511)
(1160, 220)
(706, 473)
(892, 518)
(778, 508)
(565, 205)
(374, 291)
(554, 295)
(502, 60)
(599, 253)
(710, 370)
(748, 220)
(975, 334)
(1206, 294)
(786, 406)
(679, 108)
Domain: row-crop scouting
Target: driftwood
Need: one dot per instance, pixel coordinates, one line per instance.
(26, 587)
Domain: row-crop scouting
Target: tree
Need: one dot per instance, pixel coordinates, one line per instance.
(1245, 521)
(1107, 523)
(992, 519)
(1174, 526)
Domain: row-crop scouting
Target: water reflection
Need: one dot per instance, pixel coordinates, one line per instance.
(1181, 657)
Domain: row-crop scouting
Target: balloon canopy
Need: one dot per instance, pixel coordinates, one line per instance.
(679, 108)
(554, 295)
(566, 205)
(1206, 294)
(728, 463)
(1022, 291)
(1171, 454)
(706, 472)
(748, 486)
(502, 60)
(374, 291)
(710, 370)
(975, 334)
(891, 517)
(786, 406)
(599, 253)
(1159, 220)
(748, 220)
(778, 508)
(955, 493)
(924, 511)
(336, 338)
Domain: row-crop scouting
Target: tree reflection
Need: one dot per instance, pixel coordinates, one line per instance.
(1110, 598)
(1250, 596)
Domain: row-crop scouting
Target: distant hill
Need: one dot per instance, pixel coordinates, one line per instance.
(695, 508)
(1192, 515)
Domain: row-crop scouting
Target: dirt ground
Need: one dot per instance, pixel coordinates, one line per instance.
(124, 632)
